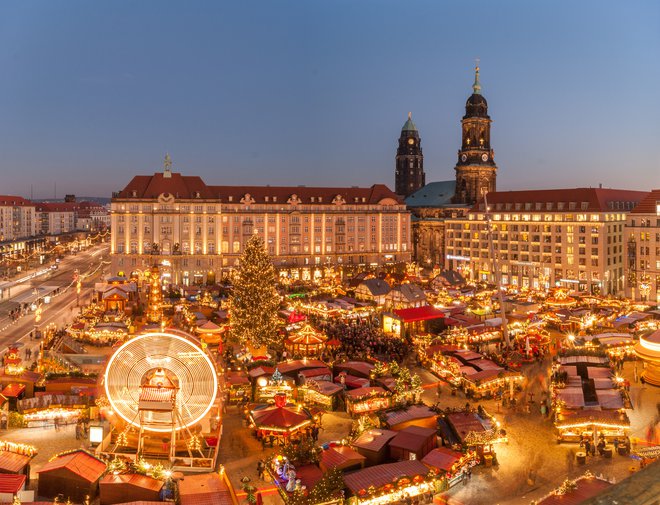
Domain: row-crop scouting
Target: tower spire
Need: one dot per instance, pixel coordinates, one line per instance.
(477, 85)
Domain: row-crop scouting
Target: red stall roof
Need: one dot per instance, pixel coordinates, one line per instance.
(13, 390)
(10, 483)
(80, 463)
(419, 314)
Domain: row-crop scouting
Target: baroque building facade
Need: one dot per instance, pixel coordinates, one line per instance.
(197, 232)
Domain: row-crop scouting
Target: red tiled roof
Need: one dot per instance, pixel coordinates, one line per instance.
(187, 187)
(464, 423)
(299, 364)
(419, 314)
(57, 207)
(357, 393)
(408, 414)
(361, 368)
(648, 204)
(12, 462)
(380, 475)
(11, 483)
(14, 201)
(80, 463)
(598, 198)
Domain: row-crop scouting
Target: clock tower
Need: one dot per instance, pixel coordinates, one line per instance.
(409, 174)
(475, 170)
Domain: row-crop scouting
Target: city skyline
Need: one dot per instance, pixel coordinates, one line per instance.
(306, 93)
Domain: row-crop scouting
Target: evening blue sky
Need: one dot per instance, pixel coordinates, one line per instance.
(315, 92)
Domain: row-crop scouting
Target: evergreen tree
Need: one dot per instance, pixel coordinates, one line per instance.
(254, 299)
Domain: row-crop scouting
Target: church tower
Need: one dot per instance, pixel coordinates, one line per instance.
(409, 174)
(475, 170)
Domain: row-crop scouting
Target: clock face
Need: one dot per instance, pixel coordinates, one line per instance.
(484, 157)
(411, 141)
(463, 157)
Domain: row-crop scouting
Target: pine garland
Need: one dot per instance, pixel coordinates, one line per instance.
(254, 299)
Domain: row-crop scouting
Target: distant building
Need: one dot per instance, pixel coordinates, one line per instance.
(642, 239)
(199, 231)
(409, 173)
(543, 238)
(18, 218)
(56, 218)
(475, 171)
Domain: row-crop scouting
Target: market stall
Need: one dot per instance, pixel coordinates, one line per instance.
(75, 475)
(389, 483)
(450, 464)
(238, 385)
(320, 393)
(367, 399)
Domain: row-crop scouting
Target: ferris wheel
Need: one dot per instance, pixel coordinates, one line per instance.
(161, 381)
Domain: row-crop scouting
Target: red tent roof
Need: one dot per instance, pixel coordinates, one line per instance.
(278, 417)
(10, 483)
(80, 463)
(419, 314)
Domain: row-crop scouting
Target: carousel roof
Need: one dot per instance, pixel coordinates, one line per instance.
(279, 417)
(307, 335)
(208, 327)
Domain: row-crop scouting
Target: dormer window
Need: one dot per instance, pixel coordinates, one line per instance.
(230, 199)
(312, 199)
(266, 198)
(134, 193)
(274, 199)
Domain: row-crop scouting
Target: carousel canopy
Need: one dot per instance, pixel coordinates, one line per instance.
(279, 418)
(208, 327)
(306, 336)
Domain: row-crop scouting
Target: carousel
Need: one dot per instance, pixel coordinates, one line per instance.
(281, 422)
(648, 349)
(306, 342)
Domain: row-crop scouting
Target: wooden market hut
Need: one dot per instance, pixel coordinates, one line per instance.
(11, 486)
(355, 368)
(306, 342)
(115, 488)
(413, 442)
(447, 462)
(15, 459)
(75, 475)
(413, 415)
(26, 378)
(238, 385)
(367, 399)
(372, 444)
(341, 457)
(324, 394)
(207, 489)
(390, 477)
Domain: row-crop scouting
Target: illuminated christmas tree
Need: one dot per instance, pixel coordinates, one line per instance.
(254, 299)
